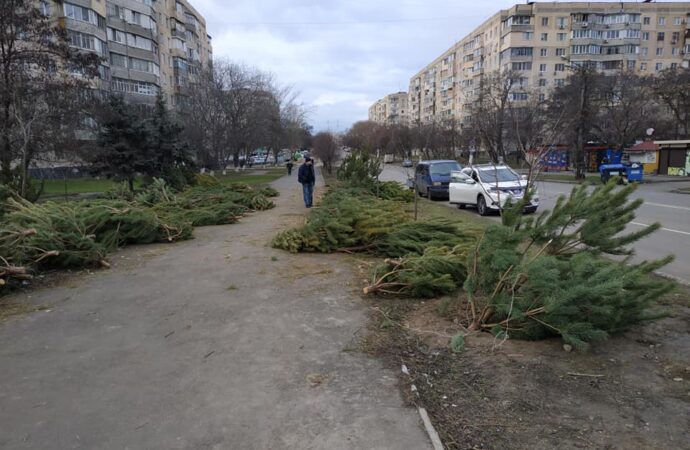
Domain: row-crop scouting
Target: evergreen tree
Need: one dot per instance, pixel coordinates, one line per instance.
(537, 278)
(123, 145)
(171, 158)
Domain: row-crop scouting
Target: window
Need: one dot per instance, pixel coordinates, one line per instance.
(134, 87)
(580, 49)
(522, 66)
(560, 52)
(660, 51)
(559, 82)
(675, 37)
(562, 22)
(542, 67)
(582, 34)
(643, 66)
(143, 65)
(560, 36)
(542, 82)
(674, 66)
(674, 51)
(83, 15)
(87, 42)
(645, 36)
(518, 20)
(117, 60)
(44, 8)
(659, 66)
(544, 52)
(644, 51)
(527, 35)
(559, 67)
(518, 96)
(542, 97)
(139, 42)
(612, 34)
(116, 35)
(545, 37)
(660, 36)
(662, 21)
(646, 21)
(544, 21)
(631, 65)
(632, 34)
(677, 21)
(611, 65)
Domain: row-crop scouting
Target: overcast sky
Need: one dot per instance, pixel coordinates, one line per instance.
(341, 55)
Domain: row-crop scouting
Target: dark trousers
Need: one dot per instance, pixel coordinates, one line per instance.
(308, 191)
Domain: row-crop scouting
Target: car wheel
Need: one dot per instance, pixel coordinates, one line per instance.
(482, 209)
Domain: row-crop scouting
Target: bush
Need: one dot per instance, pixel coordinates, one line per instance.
(359, 169)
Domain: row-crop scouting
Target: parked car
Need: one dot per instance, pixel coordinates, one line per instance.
(488, 187)
(407, 163)
(431, 178)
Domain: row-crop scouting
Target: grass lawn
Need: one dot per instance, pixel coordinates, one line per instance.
(429, 210)
(54, 188)
(253, 176)
(76, 186)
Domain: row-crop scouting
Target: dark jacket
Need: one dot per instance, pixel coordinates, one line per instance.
(306, 174)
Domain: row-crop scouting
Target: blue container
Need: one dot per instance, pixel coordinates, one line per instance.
(634, 172)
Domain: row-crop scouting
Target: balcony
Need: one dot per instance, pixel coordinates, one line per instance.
(516, 29)
(178, 34)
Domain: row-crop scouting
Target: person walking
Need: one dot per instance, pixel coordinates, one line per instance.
(289, 166)
(306, 178)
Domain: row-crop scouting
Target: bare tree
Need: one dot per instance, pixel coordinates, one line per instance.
(32, 48)
(672, 87)
(489, 111)
(577, 100)
(235, 109)
(326, 149)
(626, 107)
(367, 136)
(533, 130)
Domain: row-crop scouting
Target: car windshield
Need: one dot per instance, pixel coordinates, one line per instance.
(498, 175)
(444, 168)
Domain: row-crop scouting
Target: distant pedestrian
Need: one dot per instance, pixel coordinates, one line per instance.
(289, 166)
(306, 177)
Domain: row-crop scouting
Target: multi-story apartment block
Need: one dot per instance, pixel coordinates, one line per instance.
(541, 41)
(147, 46)
(391, 109)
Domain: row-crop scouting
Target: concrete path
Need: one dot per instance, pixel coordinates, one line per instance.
(205, 344)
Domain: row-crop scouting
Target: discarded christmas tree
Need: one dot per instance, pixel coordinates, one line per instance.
(537, 278)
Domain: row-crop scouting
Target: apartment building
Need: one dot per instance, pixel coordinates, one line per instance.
(148, 46)
(390, 110)
(541, 41)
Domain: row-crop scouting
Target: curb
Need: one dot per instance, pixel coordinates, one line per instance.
(428, 426)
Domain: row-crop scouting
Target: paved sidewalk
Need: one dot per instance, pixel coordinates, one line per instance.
(205, 344)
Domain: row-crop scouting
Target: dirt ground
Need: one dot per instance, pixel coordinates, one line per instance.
(630, 392)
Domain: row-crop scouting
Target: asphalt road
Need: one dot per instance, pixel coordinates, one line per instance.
(671, 209)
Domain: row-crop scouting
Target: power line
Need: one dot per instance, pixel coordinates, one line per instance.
(356, 22)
